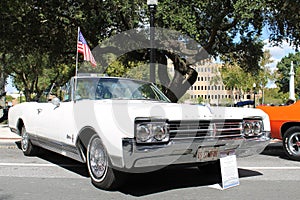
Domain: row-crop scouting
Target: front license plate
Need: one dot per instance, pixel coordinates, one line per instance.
(208, 154)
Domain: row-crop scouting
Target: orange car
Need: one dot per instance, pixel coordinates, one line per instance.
(285, 125)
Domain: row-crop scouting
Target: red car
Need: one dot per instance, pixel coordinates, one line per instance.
(285, 125)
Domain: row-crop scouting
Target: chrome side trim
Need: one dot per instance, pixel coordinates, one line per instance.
(58, 147)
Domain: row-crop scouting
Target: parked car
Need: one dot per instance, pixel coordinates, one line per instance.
(119, 126)
(285, 125)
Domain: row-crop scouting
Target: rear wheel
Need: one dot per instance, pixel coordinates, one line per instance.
(102, 175)
(27, 147)
(291, 143)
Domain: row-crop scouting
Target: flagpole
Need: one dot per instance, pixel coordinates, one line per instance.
(76, 70)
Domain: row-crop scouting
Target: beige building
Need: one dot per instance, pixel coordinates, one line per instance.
(209, 86)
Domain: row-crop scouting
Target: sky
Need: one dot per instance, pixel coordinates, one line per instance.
(277, 53)
(9, 87)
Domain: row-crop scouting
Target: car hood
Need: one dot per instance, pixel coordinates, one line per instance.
(237, 113)
(154, 109)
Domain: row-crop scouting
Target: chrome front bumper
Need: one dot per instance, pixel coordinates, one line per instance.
(184, 151)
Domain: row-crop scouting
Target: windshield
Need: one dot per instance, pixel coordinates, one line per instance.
(115, 88)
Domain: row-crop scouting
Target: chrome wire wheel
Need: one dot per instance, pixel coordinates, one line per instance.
(24, 140)
(97, 159)
(293, 143)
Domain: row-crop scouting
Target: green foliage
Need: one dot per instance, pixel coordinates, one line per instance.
(34, 74)
(234, 77)
(275, 97)
(283, 17)
(45, 32)
(283, 70)
(227, 28)
(9, 98)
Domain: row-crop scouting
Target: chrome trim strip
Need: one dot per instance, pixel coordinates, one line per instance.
(190, 131)
(207, 137)
(58, 147)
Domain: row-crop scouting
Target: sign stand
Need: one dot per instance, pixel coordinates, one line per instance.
(229, 171)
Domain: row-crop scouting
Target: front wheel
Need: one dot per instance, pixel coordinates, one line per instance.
(27, 147)
(102, 175)
(291, 143)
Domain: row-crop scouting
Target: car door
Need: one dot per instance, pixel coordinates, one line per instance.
(56, 124)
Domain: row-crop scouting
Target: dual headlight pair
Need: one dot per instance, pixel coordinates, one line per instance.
(152, 132)
(252, 127)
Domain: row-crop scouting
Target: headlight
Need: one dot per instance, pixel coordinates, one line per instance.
(257, 127)
(252, 127)
(151, 132)
(144, 133)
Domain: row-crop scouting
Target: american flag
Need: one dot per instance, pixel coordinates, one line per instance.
(83, 48)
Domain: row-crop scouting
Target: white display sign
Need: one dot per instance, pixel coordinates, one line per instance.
(229, 171)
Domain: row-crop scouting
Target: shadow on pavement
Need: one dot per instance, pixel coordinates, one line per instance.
(62, 161)
(275, 150)
(169, 178)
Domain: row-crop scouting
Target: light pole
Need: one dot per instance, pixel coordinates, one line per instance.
(152, 9)
(254, 93)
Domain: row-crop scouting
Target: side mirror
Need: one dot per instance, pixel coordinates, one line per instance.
(55, 101)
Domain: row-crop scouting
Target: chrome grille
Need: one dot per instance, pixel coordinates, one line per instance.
(205, 129)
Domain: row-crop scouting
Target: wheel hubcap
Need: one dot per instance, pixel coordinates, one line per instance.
(97, 159)
(25, 140)
(294, 143)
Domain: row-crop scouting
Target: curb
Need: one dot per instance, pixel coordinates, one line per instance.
(8, 144)
(8, 140)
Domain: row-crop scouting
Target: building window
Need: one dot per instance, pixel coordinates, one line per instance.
(198, 87)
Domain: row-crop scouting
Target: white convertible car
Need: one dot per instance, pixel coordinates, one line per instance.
(119, 126)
